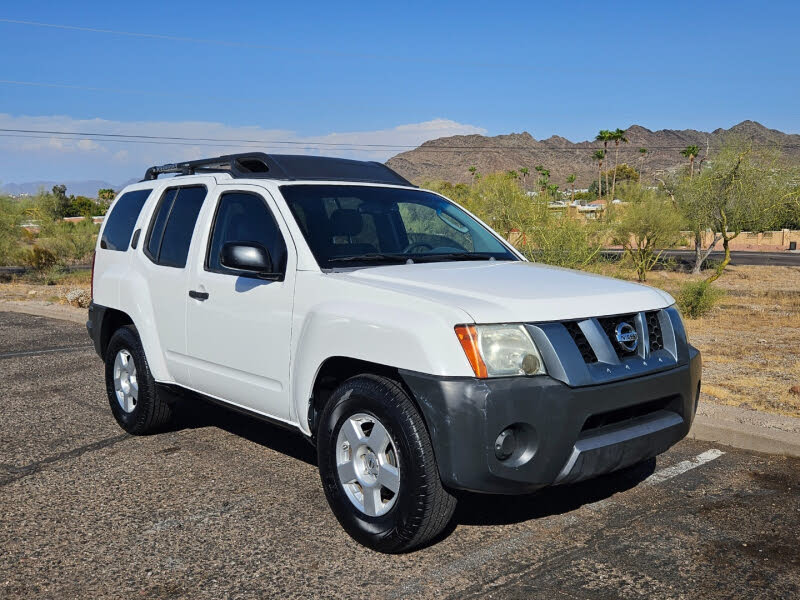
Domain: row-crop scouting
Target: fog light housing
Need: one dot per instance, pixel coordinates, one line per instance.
(505, 444)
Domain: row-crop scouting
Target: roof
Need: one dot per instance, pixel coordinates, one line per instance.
(286, 167)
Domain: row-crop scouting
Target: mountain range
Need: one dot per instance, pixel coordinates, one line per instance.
(450, 158)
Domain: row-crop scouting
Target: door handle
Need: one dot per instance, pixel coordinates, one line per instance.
(198, 295)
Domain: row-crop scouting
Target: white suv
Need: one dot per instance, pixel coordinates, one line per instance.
(413, 345)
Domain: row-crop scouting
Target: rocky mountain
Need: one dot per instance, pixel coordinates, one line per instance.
(450, 158)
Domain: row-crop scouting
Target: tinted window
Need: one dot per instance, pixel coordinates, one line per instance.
(243, 217)
(120, 223)
(348, 225)
(173, 226)
(157, 229)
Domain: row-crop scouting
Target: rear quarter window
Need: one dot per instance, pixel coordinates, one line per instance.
(119, 225)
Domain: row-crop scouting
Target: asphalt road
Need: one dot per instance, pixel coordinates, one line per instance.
(686, 257)
(226, 507)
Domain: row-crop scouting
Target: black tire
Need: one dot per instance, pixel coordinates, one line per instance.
(423, 507)
(151, 412)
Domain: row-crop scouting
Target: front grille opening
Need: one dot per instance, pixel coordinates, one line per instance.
(580, 340)
(630, 412)
(609, 324)
(654, 330)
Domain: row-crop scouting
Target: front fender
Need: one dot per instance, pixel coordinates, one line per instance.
(377, 326)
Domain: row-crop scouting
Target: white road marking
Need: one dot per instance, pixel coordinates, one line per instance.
(683, 466)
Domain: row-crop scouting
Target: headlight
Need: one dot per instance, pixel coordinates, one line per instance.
(500, 350)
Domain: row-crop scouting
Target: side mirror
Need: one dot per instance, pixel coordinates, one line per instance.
(250, 257)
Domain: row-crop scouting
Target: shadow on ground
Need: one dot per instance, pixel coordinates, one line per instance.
(473, 509)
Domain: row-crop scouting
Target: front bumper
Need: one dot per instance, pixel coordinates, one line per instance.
(563, 434)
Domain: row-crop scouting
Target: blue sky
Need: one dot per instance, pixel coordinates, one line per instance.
(380, 73)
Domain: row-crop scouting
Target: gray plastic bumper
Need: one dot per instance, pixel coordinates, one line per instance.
(562, 434)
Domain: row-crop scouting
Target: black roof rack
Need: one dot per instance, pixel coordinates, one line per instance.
(287, 167)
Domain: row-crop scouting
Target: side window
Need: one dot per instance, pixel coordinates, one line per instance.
(120, 223)
(244, 217)
(173, 226)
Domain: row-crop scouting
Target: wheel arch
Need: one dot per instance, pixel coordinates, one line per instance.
(334, 371)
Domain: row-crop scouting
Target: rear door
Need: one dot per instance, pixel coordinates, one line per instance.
(167, 244)
(239, 326)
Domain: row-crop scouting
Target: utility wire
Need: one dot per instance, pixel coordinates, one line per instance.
(350, 146)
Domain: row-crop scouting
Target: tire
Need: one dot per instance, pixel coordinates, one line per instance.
(147, 412)
(421, 507)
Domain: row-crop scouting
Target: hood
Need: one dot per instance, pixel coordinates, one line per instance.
(505, 292)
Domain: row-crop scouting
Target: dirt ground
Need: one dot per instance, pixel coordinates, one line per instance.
(750, 341)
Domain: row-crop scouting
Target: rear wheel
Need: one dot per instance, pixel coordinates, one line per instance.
(377, 466)
(132, 392)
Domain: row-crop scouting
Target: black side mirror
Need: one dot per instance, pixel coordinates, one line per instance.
(250, 257)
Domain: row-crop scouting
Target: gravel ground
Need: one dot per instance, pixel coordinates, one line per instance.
(226, 507)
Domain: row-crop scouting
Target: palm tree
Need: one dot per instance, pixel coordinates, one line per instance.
(604, 136)
(544, 178)
(571, 181)
(524, 172)
(618, 135)
(642, 154)
(599, 156)
(691, 152)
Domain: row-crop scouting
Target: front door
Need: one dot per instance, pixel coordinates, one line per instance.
(239, 326)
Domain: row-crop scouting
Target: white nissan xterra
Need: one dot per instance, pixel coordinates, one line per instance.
(414, 346)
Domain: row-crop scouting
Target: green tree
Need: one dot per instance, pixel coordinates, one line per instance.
(623, 172)
(106, 194)
(473, 171)
(83, 206)
(571, 181)
(524, 171)
(618, 135)
(61, 202)
(645, 226)
(691, 153)
(744, 189)
(604, 136)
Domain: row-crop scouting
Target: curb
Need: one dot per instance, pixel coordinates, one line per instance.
(747, 429)
(52, 311)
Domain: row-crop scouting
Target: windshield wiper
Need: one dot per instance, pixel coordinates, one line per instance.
(372, 257)
(452, 256)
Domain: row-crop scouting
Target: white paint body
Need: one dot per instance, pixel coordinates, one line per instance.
(261, 347)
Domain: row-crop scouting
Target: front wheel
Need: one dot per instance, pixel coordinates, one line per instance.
(377, 466)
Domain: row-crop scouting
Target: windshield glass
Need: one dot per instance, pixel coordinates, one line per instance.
(352, 225)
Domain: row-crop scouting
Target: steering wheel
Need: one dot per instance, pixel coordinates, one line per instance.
(417, 245)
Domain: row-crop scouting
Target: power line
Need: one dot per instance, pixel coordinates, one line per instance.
(349, 146)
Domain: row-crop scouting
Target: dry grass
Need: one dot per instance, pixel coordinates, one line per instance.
(750, 341)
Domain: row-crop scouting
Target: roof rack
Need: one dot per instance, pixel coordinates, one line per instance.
(287, 167)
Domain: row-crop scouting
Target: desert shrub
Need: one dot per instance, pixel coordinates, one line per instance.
(78, 297)
(69, 242)
(10, 231)
(697, 298)
(39, 258)
(565, 242)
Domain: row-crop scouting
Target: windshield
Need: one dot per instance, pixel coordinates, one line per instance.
(353, 225)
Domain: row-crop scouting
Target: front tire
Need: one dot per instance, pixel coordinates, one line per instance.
(132, 393)
(378, 468)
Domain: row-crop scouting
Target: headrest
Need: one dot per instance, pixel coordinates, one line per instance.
(346, 221)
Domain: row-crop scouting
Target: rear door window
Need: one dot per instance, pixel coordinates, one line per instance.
(173, 225)
(119, 226)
